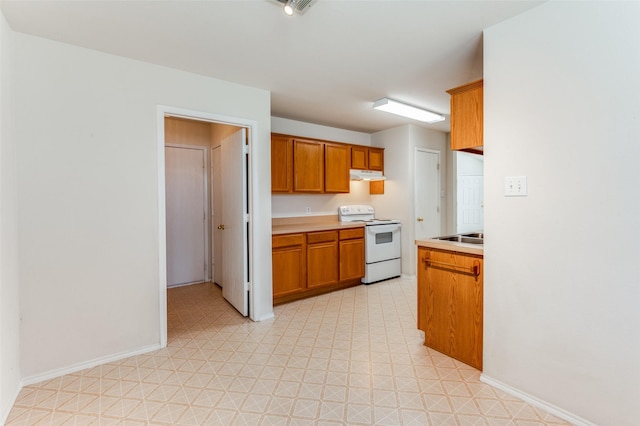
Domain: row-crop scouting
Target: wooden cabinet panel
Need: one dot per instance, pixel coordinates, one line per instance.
(450, 303)
(337, 161)
(281, 163)
(359, 157)
(376, 159)
(351, 259)
(347, 234)
(289, 263)
(322, 264)
(308, 166)
(467, 116)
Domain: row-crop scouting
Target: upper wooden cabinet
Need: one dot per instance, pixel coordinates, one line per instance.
(315, 166)
(281, 163)
(308, 166)
(367, 158)
(337, 159)
(376, 159)
(467, 116)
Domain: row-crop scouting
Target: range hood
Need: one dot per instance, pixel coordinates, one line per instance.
(366, 175)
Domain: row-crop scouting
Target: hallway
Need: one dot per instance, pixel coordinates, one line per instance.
(352, 357)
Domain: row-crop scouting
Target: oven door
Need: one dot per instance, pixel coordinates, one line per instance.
(382, 242)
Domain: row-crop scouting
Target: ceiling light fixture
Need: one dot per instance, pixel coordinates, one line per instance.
(398, 108)
(290, 7)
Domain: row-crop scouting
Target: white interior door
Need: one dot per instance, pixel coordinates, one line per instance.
(233, 223)
(186, 195)
(216, 214)
(427, 196)
(470, 204)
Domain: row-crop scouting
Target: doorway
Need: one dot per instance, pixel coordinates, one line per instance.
(225, 172)
(427, 194)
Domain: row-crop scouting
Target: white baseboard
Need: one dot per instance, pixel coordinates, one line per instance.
(556, 411)
(87, 364)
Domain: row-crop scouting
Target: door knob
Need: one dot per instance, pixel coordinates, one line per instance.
(221, 227)
(420, 219)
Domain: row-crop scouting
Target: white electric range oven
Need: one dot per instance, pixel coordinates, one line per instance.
(382, 242)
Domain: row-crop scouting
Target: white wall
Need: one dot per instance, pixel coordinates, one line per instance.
(9, 289)
(399, 188)
(288, 205)
(88, 152)
(562, 277)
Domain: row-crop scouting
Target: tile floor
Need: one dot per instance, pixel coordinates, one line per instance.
(352, 357)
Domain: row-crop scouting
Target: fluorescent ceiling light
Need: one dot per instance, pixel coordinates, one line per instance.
(398, 108)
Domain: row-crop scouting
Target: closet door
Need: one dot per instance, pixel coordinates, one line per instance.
(186, 215)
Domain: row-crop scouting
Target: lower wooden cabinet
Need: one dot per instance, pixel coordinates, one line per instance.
(450, 303)
(307, 264)
(289, 264)
(322, 258)
(351, 254)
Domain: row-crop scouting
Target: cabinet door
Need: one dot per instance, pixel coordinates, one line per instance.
(281, 163)
(376, 159)
(467, 116)
(359, 157)
(450, 304)
(308, 166)
(351, 259)
(337, 160)
(322, 258)
(288, 260)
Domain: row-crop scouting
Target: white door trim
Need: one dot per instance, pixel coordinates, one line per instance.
(162, 112)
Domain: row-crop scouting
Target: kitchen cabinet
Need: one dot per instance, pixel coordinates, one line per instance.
(351, 254)
(289, 256)
(337, 159)
(281, 163)
(369, 158)
(310, 263)
(308, 166)
(450, 303)
(317, 166)
(467, 116)
(322, 258)
(376, 159)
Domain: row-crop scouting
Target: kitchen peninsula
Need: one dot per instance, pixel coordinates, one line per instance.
(450, 298)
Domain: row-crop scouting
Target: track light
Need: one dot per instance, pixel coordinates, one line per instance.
(290, 7)
(398, 108)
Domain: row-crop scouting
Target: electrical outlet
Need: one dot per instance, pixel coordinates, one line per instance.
(515, 186)
(307, 210)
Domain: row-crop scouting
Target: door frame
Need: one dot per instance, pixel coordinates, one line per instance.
(208, 246)
(252, 126)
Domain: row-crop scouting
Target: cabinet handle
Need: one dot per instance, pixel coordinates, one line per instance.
(221, 227)
(420, 219)
(473, 270)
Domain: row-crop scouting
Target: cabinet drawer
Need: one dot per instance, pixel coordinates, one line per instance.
(287, 240)
(348, 234)
(322, 237)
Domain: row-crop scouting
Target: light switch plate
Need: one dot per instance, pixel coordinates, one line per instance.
(515, 186)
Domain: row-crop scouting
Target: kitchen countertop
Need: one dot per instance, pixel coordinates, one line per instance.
(452, 246)
(292, 225)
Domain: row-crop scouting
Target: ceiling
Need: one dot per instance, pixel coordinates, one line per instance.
(326, 66)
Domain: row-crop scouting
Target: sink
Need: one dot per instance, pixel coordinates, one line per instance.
(474, 235)
(473, 238)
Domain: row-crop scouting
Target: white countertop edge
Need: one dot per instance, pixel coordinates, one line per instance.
(451, 246)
